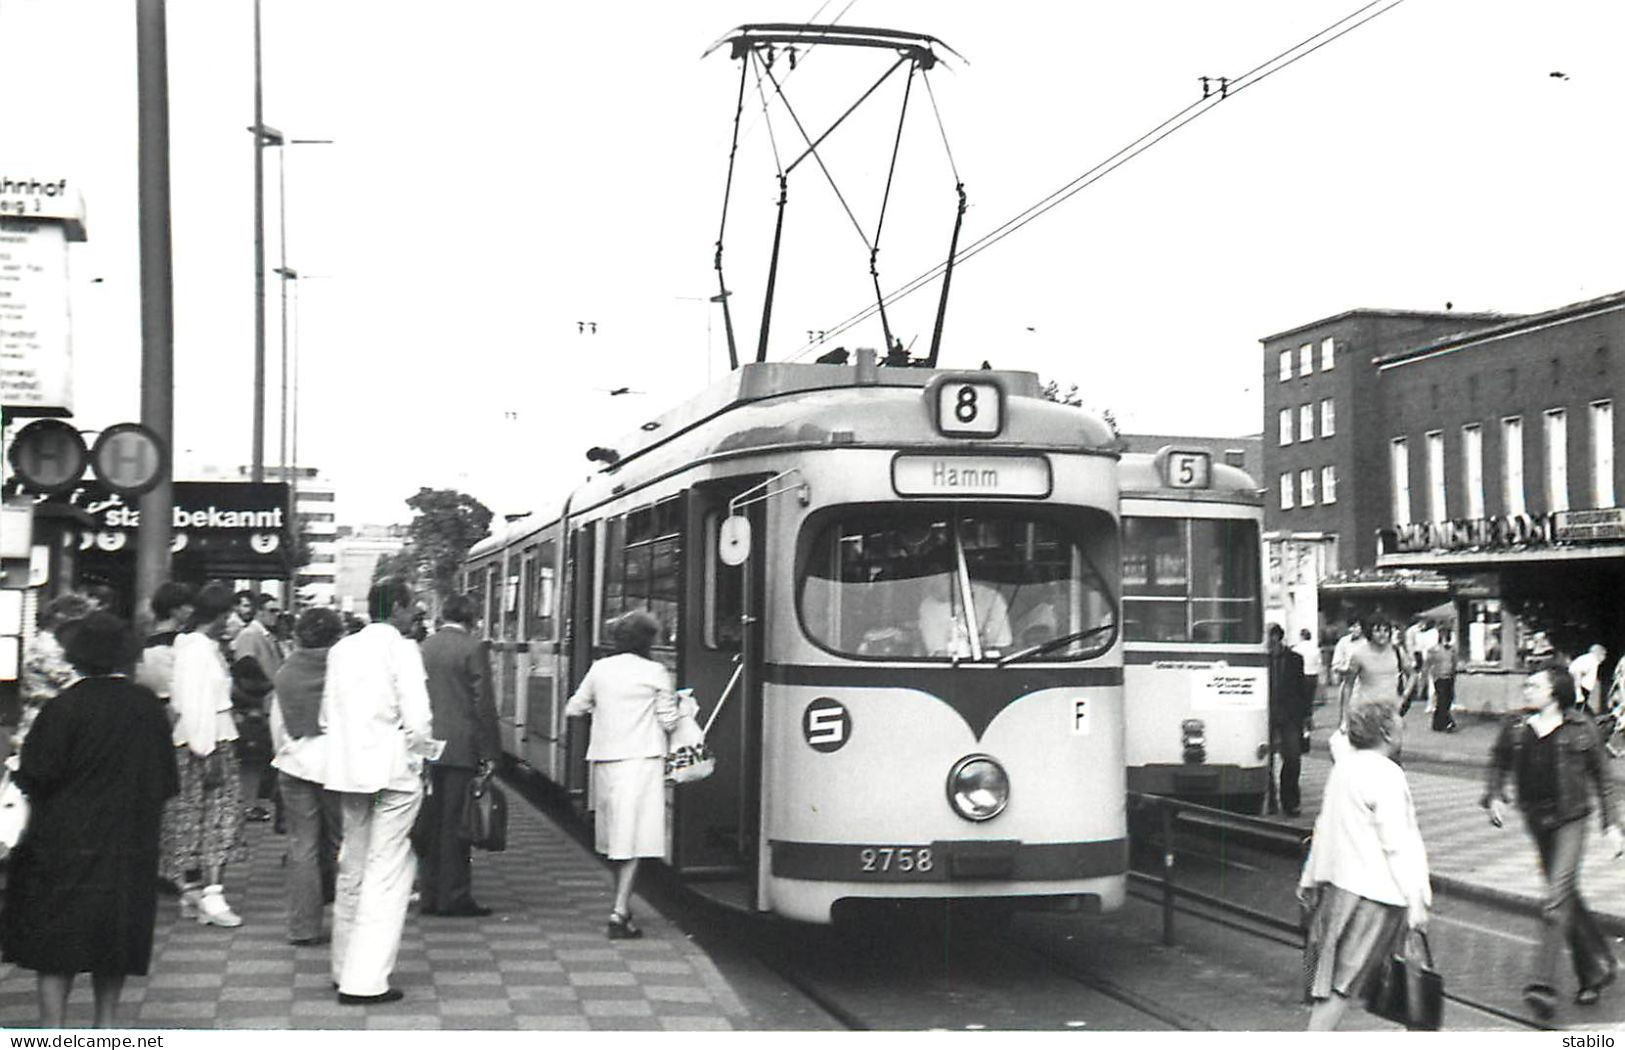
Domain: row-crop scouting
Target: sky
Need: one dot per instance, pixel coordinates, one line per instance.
(502, 171)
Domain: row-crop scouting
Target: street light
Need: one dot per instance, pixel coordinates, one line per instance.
(287, 273)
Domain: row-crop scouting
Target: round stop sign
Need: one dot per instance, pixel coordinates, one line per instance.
(128, 458)
(48, 456)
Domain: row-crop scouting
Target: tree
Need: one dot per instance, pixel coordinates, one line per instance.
(1051, 391)
(445, 524)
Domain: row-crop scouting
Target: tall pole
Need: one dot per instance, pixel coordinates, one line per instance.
(285, 274)
(258, 463)
(157, 294)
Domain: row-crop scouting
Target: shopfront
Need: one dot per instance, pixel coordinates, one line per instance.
(1525, 589)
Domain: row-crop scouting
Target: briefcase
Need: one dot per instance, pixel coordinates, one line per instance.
(485, 815)
(1408, 990)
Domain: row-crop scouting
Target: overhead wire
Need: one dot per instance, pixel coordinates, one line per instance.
(1139, 145)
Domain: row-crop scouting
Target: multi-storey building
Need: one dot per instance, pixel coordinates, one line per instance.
(1473, 461)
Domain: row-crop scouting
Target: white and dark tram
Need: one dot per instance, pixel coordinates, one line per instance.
(1195, 671)
(901, 585)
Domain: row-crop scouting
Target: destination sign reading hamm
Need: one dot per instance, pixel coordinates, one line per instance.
(948, 475)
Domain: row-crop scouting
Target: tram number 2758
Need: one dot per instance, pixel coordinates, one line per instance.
(896, 859)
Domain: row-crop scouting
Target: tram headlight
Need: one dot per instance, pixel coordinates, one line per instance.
(978, 788)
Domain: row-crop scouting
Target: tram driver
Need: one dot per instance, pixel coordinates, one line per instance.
(942, 618)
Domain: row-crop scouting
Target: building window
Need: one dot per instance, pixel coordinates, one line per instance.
(1286, 426)
(1557, 460)
(1306, 422)
(1328, 484)
(1306, 487)
(1400, 470)
(1328, 417)
(1512, 465)
(1306, 359)
(1472, 468)
(1435, 451)
(1602, 453)
(1483, 632)
(1286, 365)
(1328, 351)
(1286, 491)
(1236, 457)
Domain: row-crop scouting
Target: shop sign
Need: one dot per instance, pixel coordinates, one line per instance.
(1581, 526)
(1476, 585)
(1513, 530)
(36, 361)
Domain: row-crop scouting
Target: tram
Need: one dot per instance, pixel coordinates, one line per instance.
(1195, 673)
(900, 586)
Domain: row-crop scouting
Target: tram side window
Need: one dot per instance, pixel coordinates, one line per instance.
(475, 582)
(539, 592)
(1190, 581)
(641, 566)
(493, 606)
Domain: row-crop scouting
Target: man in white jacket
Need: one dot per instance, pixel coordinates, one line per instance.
(377, 721)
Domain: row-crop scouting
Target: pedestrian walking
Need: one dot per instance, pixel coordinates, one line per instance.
(82, 885)
(313, 815)
(1441, 669)
(630, 698)
(1374, 669)
(1584, 669)
(1554, 754)
(256, 655)
(1353, 633)
(1366, 877)
(203, 823)
(1289, 700)
(465, 717)
(1308, 647)
(376, 716)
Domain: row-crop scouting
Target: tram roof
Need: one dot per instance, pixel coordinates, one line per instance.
(1140, 477)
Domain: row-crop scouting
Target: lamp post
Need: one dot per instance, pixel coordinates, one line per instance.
(287, 273)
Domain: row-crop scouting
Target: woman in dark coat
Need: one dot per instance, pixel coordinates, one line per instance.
(97, 766)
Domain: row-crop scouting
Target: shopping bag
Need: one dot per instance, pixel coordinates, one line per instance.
(485, 815)
(13, 811)
(1408, 990)
(687, 757)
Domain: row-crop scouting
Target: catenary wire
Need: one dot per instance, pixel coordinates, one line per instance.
(1172, 124)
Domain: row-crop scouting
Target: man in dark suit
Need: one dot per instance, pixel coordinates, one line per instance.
(465, 717)
(1289, 708)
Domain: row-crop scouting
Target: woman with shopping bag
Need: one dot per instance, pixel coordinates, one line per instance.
(1366, 877)
(630, 698)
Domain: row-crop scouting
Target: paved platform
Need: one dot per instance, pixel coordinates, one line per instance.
(541, 962)
(1467, 854)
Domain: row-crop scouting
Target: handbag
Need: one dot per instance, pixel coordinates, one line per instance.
(485, 815)
(1407, 990)
(13, 810)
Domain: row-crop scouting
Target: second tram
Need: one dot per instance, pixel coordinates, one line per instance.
(1194, 680)
(901, 587)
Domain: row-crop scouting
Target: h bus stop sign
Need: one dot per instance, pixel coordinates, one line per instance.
(128, 458)
(49, 456)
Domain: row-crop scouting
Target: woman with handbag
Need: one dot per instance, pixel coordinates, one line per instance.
(203, 823)
(630, 698)
(81, 892)
(1366, 877)
(1556, 755)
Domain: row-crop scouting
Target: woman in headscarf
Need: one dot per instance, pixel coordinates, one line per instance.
(630, 698)
(81, 893)
(203, 824)
(1366, 877)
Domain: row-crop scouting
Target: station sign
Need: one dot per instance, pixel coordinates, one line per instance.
(926, 474)
(128, 458)
(49, 456)
(36, 358)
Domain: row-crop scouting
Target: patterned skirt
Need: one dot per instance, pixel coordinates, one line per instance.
(203, 826)
(1349, 939)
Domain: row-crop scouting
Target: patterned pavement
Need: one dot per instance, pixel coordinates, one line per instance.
(541, 962)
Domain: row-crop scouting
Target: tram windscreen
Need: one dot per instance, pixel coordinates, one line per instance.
(1191, 580)
(890, 584)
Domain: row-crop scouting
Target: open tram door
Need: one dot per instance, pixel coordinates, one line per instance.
(714, 822)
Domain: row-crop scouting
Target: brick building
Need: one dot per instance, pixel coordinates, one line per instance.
(1473, 468)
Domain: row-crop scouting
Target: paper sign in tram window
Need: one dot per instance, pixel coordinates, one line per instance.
(1217, 687)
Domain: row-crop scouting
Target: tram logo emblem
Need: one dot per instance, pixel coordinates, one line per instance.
(826, 725)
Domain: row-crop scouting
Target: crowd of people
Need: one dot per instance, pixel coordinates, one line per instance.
(143, 763)
(1365, 885)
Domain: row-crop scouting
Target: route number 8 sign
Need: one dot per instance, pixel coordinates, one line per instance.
(967, 408)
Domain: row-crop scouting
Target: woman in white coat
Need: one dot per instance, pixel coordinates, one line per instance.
(630, 698)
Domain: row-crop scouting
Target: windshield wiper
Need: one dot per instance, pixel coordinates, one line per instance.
(1056, 643)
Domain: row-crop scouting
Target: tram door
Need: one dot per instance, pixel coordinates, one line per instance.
(578, 612)
(714, 820)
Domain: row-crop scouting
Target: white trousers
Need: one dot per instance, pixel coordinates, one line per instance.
(374, 888)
